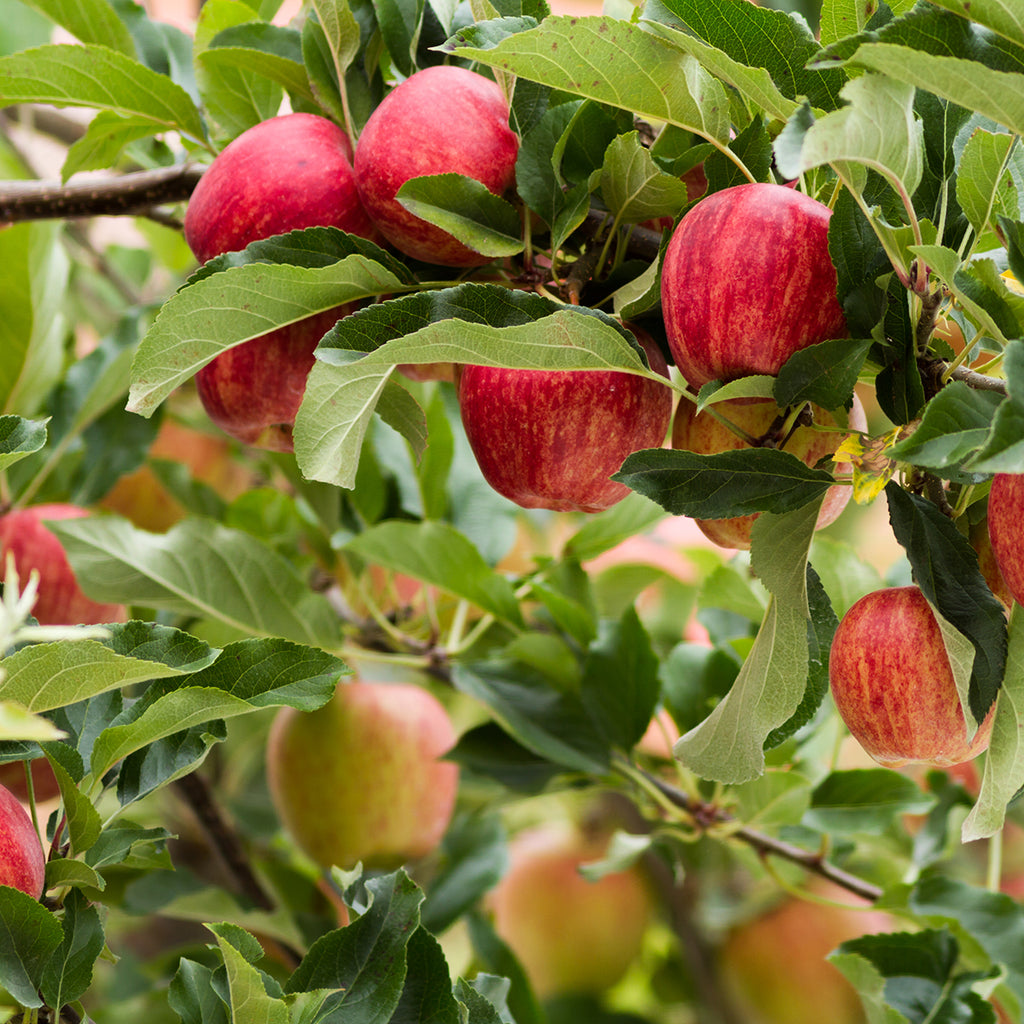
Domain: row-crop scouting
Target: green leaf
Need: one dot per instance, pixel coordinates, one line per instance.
(777, 798)
(437, 553)
(825, 373)
(65, 871)
(1003, 773)
(18, 438)
(271, 51)
(29, 934)
(602, 532)
(490, 752)
(341, 30)
(68, 974)
(96, 76)
(105, 138)
(120, 841)
(192, 996)
(633, 187)
(1002, 17)
(427, 997)
(726, 484)
(638, 71)
(467, 209)
(1003, 452)
(218, 312)
(864, 800)
(946, 569)
(200, 568)
(989, 179)
(89, 21)
(83, 820)
(250, 1003)
(166, 759)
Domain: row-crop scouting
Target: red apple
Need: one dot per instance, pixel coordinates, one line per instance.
(747, 281)
(1006, 530)
(361, 779)
(552, 438)
(286, 173)
(44, 782)
(22, 864)
(893, 685)
(60, 600)
(570, 934)
(441, 120)
(707, 435)
(774, 965)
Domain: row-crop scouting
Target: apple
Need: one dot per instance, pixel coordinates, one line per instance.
(774, 968)
(893, 685)
(22, 864)
(441, 120)
(60, 600)
(570, 934)
(44, 782)
(703, 433)
(285, 173)
(553, 438)
(1006, 532)
(747, 281)
(361, 779)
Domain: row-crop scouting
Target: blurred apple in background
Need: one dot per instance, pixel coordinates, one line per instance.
(552, 439)
(288, 172)
(361, 779)
(893, 685)
(22, 864)
(60, 600)
(44, 782)
(747, 281)
(571, 935)
(703, 433)
(441, 120)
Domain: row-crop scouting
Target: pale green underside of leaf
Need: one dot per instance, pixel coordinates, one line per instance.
(95, 76)
(340, 399)
(89, 21)
(614, 62)
(1005, 17)
(960, 652)
(1003, 775)
(995, 94)
(225, 309)
(285, 72)
(17, 723)
(341, 30)
(989, 180)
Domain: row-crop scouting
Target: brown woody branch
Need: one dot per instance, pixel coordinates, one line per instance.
(979, 380)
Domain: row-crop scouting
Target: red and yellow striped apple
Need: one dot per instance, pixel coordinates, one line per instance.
(22, 864)
(1006, 531)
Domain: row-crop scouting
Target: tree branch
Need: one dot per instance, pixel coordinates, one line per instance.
(978, 380)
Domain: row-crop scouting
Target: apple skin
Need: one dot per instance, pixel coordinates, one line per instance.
(747, 281)
(553, 438)
(893, 686)
(1005, 530)
(441, 120)
(774, 966)
(571, 935)
(704, 434)
(283, 174)
(361, 779)
(44, 782)
(60, 600)
(22, 864)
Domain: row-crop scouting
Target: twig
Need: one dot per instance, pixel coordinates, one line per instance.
(979, 380)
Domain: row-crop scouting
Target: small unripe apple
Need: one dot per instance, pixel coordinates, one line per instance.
(22, 864)
(362, 778)
(747, 281)
(60, 600)
(443, 119)
(283, 174)
(893, 685)
(553, 438)
(1006, 530)
(707, 435)
(571, 935)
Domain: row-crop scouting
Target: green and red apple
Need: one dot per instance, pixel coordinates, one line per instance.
(443, 119)
(553, 438)
(288, 172)
(893, 684)
(705, 434)
(60, 599)
(747, 281)
(363, 779)
(572, 935)
(22, 864)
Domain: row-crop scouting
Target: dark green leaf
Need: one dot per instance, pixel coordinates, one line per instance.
(754, 148)
(946, 569)
(192, 996)
(496, 958)
(29, 934)
(18, 438)
(694, 678)
(115, 844)
(824, 373)
(427, 996)
(1003, 452)
(864, 800)
(489, 751)
(68, 973)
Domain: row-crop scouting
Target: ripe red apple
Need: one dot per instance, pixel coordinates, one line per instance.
(1006, 530)
(441, 120)
(60, 600)
(747, 281)
(44, 782)
(707, 435)
(286, 173)
(552, 438)
(22, 864)
(893, 685)
(774, 965)
(570, 934)
(361, 779)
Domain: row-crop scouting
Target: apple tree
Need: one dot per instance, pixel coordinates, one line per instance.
(470, 411)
